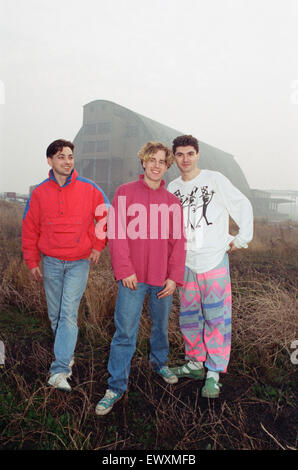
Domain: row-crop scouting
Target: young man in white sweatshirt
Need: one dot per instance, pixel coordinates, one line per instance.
(207, 198)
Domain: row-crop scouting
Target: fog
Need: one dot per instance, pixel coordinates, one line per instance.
(225, 71)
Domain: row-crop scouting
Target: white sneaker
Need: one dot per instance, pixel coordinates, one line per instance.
(59, 381)
(71, 366)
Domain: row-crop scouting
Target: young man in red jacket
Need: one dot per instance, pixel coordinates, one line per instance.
(146, 240)
(59, 223)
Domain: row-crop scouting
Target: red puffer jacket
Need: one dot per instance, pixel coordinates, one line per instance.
(60, 221)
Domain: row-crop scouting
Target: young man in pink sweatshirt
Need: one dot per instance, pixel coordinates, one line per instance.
(147, 246)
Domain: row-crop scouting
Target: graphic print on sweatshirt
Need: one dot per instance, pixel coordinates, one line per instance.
(196, 204)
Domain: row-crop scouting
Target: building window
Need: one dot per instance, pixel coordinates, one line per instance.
(116, 168)
(97, 128)
(102, 146)
(131, 131)
(90, 129)
(89, 147)
(102, 170)
(87, 167)
(103, 127)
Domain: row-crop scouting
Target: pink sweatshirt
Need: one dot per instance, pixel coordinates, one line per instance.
(146, 234)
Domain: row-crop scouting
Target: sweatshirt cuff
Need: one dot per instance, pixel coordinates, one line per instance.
(176, 277)
(120, 275)
(240, 242)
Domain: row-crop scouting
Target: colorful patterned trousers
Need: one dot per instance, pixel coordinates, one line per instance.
(205, 316)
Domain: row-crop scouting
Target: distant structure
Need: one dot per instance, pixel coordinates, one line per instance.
(275, 205)
(12, 196)
(107, 144)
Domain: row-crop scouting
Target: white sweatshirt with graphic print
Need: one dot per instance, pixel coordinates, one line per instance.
(207, 202)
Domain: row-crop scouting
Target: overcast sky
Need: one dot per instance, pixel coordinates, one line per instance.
(224, 70)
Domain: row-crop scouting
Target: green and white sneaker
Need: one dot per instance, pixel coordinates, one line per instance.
(167, 375)
(105, 405)
(211, 388)
(187, 371)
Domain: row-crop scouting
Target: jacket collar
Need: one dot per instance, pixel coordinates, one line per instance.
(142, 181)
(70, 179)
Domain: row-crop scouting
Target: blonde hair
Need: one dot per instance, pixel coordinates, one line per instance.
(150, 149)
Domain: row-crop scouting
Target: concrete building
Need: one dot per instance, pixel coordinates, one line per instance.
(107, 144)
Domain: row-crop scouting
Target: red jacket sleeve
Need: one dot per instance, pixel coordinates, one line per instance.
(31, 232)
(100, 209)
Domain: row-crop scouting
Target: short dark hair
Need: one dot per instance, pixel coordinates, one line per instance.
(58, 145)
(184, 140)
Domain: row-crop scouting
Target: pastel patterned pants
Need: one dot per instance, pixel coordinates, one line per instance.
(205, 316)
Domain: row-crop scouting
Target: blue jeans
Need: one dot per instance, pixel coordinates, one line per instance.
(127, 316)
(64, 284)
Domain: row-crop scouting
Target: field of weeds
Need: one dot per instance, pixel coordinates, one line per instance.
(257, 407)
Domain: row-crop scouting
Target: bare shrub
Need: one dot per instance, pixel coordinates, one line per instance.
(265, 316)
(152, 415)
(19, 290)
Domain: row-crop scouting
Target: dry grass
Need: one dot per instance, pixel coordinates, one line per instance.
(257, 403)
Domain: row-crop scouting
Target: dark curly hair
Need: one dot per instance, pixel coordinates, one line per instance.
(57, 146)
(184, 140)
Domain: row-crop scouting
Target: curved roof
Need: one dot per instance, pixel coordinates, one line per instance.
(210, 157)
